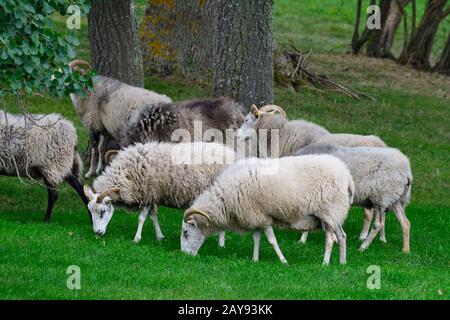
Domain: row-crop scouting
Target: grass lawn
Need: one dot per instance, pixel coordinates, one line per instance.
(411, 112)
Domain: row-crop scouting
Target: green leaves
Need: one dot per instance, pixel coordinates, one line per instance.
(33, 55)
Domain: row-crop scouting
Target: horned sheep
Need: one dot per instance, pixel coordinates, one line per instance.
(41, 147)
(296, 134)
(383, 181)
(144, 176)
(254, 194)
(107, 110)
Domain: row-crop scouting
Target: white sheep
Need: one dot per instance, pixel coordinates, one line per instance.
(254, 194)
(144, 176)
(284, 137)
(41, 147)
(108, 110)
(383, 181)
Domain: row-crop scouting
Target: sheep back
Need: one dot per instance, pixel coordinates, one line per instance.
(244, 197)
(158, 122)
(350, 140)
(382, 176)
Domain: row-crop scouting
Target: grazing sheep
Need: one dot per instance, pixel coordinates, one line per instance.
(146, 175)
(295, 134)
(383, 181)
(293, 192)
(108, 110)
(41, 147)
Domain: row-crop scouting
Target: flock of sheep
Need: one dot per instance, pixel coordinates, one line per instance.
(300, 176)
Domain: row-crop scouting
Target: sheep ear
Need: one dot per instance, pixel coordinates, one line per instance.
(254, 110)
(88, 192)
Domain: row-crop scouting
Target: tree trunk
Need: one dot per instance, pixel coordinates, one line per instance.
(443, 64)
(374, 48)
(390, 27)
(156, 32)
(178, 35)
(418, 50)
(114, 41)
(244, 59)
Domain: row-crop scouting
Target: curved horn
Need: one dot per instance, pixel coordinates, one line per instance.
(110, 155)
(272, 108)
(190, 212)
(79, 62)
(107, 193)
(254, 110)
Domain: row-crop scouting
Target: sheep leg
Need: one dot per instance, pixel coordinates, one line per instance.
(100, 154)
(94, 149)
(329, 241)
(375, 229)
(383, 225)
(76, 184)
(342, 240)
(52, 197)
(154, 217)
(405, 224)
(270, 235)
(368, 216)
(304, 237)
(142, 218)
(256, 239)
(222, 239)
(92, 164)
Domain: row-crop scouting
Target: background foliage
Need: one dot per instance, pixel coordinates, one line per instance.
(33, 54)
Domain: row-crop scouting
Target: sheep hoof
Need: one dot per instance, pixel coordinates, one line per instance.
(284, 261)
(362, 248)
(160, 238)
(363, 236)
(136, 239)
(383, 240)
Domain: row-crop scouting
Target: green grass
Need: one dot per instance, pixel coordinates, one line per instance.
(34, 256)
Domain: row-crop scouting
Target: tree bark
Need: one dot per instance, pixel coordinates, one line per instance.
(443, 64)
(244, 56)
(178, 35)
(374, 48)
(156, 32)
(114, 42)
(418, 50)
(391, 24)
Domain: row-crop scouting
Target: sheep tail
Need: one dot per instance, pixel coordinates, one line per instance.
(405, 197)
(77, 168)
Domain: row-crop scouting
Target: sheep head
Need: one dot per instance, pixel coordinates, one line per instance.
(101, 208)
(250, 125)
(192, 236)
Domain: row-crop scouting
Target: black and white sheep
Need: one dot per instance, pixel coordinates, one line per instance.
(41, 147)
(144, 176)
(254, 194)
(383, 181)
